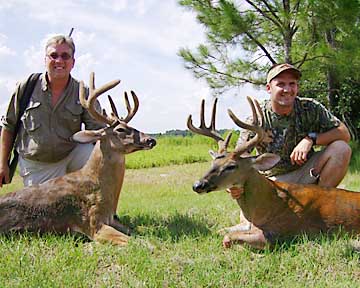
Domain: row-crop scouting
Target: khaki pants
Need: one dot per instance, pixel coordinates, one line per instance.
(301, 175)
(34, 172)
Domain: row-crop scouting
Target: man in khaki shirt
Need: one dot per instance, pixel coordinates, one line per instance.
(52, 116)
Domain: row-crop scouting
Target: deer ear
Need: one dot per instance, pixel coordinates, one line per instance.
(88, 136)
(265, 161)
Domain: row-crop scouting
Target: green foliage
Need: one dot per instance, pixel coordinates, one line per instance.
(244, 38)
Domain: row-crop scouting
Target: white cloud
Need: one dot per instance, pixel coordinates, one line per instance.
(4, 4)
(114, 5)
(34, 58)
(4, 49)
(84, 64)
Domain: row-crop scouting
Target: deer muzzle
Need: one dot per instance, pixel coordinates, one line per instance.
(202, 186)
(151, 142)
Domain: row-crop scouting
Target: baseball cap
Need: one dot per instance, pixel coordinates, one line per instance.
(277, 69)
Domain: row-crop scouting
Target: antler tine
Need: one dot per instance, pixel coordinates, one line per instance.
(223, 145)
(114, 114)
(259, 111)
(131, 111)
(93, 94)
(259, 131)
(209, 131)
(255, 120)
(213, 115)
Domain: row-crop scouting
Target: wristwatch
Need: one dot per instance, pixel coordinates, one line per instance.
(313, 137)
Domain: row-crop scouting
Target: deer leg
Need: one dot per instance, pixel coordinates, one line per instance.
(107, 234)
(244, 225)
(115, 223)
(238, 227)
(254, 237)
(120, 179)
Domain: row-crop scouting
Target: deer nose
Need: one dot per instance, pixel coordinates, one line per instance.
(151, 142)
(199, 186)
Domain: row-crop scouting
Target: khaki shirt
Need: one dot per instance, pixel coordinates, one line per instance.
(46, 130)
(287, 131)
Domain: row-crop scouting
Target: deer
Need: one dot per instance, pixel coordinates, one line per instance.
(83, 201)
(276, 210)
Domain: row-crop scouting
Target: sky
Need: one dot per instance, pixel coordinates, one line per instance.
(136, 41)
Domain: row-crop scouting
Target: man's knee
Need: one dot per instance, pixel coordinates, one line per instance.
(339, 149)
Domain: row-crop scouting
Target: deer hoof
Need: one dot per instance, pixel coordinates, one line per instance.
(226, 242)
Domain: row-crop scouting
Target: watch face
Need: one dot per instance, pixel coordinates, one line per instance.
(313, 136)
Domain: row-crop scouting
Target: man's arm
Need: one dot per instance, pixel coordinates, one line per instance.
(5, 149)
(338, 133)
(299, 154)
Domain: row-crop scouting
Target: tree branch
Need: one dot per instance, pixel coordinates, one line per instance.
(272, 60)
(226, 74)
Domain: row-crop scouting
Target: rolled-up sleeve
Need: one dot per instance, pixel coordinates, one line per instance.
(8, 120)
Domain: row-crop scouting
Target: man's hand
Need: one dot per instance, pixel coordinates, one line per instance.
(300, 152)
(235, 192)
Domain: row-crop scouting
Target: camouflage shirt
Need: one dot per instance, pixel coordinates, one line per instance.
(287, 131)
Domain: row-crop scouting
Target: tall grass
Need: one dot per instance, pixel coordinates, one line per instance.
(177, 150)
(176, 243)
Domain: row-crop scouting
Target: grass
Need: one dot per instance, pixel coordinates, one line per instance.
(175, 150)
(176, 244)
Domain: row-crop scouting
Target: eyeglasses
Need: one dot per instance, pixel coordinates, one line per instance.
(64, 56)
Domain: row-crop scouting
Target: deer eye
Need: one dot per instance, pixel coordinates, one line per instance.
(230, 168)
(120, 130)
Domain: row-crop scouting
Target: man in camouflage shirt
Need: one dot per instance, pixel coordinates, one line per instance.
(295, 126)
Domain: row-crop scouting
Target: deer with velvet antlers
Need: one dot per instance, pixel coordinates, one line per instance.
(86, 200)
(276, 210)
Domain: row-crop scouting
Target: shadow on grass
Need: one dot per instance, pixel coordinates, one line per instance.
(318, 241)
(27, 237)
(171, 228)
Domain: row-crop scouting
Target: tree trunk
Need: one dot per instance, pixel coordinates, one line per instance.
(333, 82)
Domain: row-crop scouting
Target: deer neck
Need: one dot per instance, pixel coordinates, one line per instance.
(106, 168)
(259, 202)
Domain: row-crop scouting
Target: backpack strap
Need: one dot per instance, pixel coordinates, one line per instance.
(25, 99)
(24, 102)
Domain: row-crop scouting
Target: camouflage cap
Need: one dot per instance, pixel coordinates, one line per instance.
(277, 69)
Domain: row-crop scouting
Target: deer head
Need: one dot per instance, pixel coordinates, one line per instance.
(232, 169)
(121, 137)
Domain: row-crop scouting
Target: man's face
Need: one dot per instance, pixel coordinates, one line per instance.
(283, 89)
(59, 61)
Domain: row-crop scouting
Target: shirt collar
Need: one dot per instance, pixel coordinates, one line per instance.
(45, 81)
(269, 108)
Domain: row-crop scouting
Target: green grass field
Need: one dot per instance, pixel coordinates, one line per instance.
(175, 241)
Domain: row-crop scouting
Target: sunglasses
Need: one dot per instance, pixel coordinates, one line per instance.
(64, 56)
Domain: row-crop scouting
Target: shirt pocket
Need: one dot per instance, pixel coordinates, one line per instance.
(31, 119)
(69, 122)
